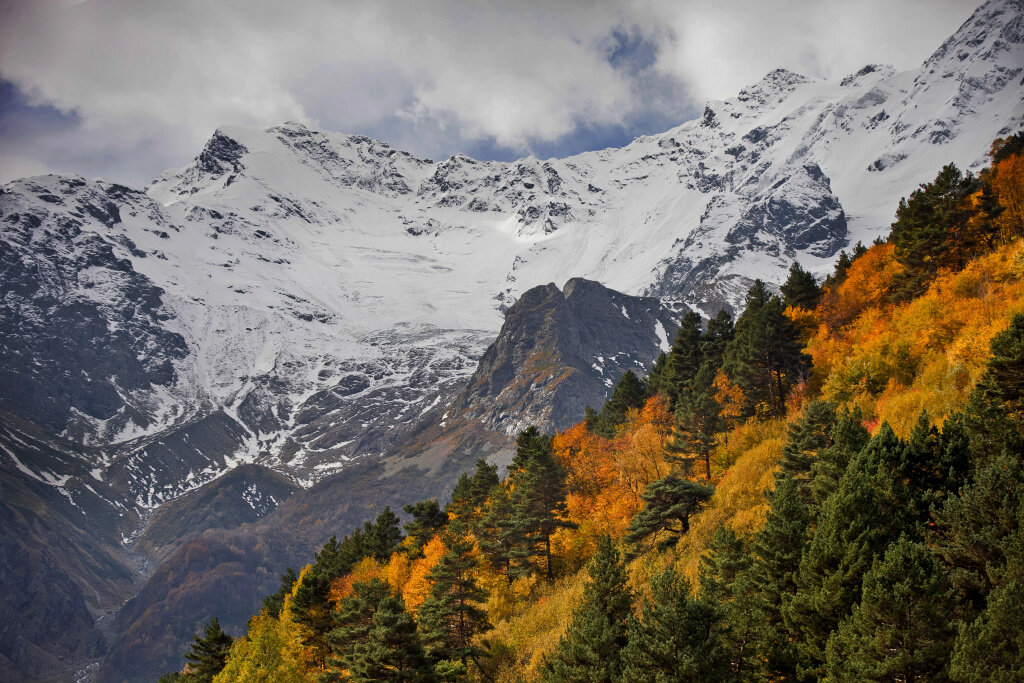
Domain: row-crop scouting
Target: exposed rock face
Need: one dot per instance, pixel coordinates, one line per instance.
(562, 350)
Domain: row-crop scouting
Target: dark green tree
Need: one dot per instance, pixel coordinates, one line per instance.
(684, 358)
(848, 437)
(698, 423)
(275, 601)
(995, 415)
(629, 393)
(500, 533)
(800, 288)
(808, 436)
(776, 551)
(765, 357)
(856, 524)
(657, 378)
(471, 491)
(591, 649)
(451, 616)
(538, 509)
(391, 650)
(930, 231)
(901, 630)
(669, 503)
(724, 576)
(529, 442)
(991, 648)
(353, 621)
(427, 521)
(716, 337)
(676, 638)
(208, 653)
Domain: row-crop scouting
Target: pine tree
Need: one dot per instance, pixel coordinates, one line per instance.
(848, 437)
(629, 393)
(529, 442)
(391, 650)
(676, 638)
(592, 647)
(800, 289)
(855, 525)
(538, 509)
(471, 491)
(930, 230)
(995, 416)
(208, 653)
(698, 423)
(808, 436)
(427, 521)
(765, 356)
(991, 648)
(451, 616)
(657, 378)
(716, 337)
(901, 630)
(724, 576)
(353, 621)
(500, 532)
(669, 503)
(273, 602)
(776, 551)
(684, 358)
(725, 560)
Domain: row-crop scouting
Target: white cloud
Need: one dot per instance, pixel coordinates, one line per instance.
(147, 82)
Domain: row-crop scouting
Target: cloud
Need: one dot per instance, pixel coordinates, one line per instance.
(129, 88)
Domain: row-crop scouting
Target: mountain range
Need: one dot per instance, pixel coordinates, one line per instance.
(211, 375)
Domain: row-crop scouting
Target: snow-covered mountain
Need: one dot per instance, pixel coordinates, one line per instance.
(298, 298)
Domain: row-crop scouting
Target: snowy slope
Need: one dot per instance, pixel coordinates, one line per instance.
(298, 298)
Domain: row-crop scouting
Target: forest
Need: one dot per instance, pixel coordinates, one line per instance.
(829, 487)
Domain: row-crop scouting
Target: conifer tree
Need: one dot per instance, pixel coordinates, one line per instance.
(427, 521)
(676, 638)
(629, 393)
(776, 551)
(855, 525)
(800, 289)
(538, 508)
(724, 576)
(991, 648)
(391, 650)
(995, 416)
(901, 630)
(684, 358)
(657, 378)
(451, 616)
(500, 532)
(765, 357)
(353, 621)
(208, 653)
(529, 442)
(716, 337)
(669, 503)
(592, 647)
(698, 422)
(808, 436)
(848, 437)
(273, 602)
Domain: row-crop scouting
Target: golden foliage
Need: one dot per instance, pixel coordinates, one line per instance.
(417, 587)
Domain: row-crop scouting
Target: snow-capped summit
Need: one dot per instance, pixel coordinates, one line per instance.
(298, 298)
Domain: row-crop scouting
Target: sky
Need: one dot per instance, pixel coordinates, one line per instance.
(125, 89)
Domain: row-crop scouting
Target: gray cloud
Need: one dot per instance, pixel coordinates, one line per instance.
(128, 88)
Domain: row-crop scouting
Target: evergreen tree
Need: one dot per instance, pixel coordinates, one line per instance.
(848, 437)
(208, 653)
(716, 337)
(656, 379)
(427, 521)
(676, 638)
(353, 621)
(808, 436)
(901, 631)
(668, 505)
(930, 231)
(724, 576)
(629, 393)
(391, 650)
(273, 602)
(684, 358)
(765, 356)
(529, 443)
(725, 560)
(592, 647)
(698, 423)
(855, 525)
(538, 508)
(995, 416)
(500, 533)
(838, 276)
(776, 551)
(470, 492)
(450, 617)
(991, 648)
(800, 289)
